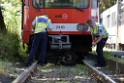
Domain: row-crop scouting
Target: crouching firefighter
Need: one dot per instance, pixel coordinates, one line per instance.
(40, 25)
(100, 37)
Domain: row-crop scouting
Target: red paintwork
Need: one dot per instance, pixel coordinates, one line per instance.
(74, 16)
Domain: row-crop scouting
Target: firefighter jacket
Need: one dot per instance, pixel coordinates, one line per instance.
(42, 23)
(99, 30)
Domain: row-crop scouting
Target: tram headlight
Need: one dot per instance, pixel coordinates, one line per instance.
(82, 27)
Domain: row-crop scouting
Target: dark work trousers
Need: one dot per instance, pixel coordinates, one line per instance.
(40, 41)
(99, 51)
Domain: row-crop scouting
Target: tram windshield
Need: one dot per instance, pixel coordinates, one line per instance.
(61, 3)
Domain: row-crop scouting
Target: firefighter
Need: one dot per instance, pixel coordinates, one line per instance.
(100, 37)
(40, 25)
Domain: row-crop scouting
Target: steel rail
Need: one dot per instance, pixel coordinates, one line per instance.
(101, 74)
(24, 75)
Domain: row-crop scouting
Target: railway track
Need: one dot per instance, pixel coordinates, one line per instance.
(99, 74)
(64, 74)
(25, 74)
(112, 73)
(55, 74)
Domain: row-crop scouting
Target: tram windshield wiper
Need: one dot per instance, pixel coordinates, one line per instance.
(78, 8)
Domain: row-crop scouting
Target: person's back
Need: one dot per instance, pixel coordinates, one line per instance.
(40, 25)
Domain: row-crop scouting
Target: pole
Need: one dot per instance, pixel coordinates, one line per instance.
(117, 46)
(99, 17)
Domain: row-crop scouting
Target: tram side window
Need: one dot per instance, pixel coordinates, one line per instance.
(113, 16)
(38, 3)
(122, 18)
(94, 4)
(81, 3)
(108, 21)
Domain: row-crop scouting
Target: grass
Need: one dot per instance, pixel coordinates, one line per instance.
(10, 50)
(9, 44)
(66, 72)
(108, 55)
(23, 52)
(3, 66)
(80, 68)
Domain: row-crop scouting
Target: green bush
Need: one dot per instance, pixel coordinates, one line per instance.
(9, 45)
(10, 42)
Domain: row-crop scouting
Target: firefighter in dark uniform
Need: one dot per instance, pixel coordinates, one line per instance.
(40, 26)
(100, 37)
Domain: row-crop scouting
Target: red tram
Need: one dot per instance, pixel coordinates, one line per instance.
(69, 31)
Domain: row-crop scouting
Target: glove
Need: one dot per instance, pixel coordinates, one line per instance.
(94, 43)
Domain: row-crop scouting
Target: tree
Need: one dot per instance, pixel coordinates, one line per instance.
(9, 20)
(105, 4)
(2, 24)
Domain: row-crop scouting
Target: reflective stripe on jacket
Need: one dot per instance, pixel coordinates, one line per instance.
(41, 24)
(95, 31)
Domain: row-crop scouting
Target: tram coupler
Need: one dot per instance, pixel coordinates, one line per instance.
(60, 42)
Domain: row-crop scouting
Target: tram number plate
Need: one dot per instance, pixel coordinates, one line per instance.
(60, 26)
